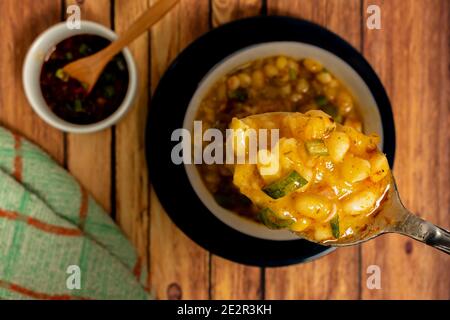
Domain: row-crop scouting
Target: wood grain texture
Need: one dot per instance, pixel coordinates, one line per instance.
(231, 280)
(132, 190)
(20, 25)
(334, 276)
(227, 10)
(411, 55)
(179, 267)
(340, 16)
(85, 150)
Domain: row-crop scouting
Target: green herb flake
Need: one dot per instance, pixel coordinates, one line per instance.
(321, 101)
(333, 112)
(78, 106)
(240, 94)
(84, 49)
(60, 74)
(292, 74)
(109, 92)
(334, 223)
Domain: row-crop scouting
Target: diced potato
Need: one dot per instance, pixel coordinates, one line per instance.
(222, 92)
(302, 85)
(295, 125)
(245, 79)
(318, 125)
(330, 92)
(313, 206)
(333, 83)
(371, 141)
(269, 165)
(322, 232)
(258, 79)
(233, 82)
(281, 62)
(270, 70)
(243, 175)
(317, 113)
(285, 90)
(240, 136)
(360, 202)
(379, 167)
(300, 225)
(353, 123)
(344, 102)
(360, 144)
(338, 144)
(324, 77)
(296, 97)
(354, 169)
(312, 65)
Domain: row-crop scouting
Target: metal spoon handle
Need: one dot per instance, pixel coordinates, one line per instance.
(425, 232)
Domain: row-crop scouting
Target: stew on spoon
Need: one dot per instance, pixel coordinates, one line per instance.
(330, 178)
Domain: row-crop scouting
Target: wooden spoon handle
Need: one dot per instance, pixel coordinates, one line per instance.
(147, 19)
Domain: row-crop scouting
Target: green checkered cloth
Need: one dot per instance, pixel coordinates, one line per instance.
(56, 242)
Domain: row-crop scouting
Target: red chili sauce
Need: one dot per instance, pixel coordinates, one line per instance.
(67, 97)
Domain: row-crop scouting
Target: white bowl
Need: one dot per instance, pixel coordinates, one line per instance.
(32, 70)
(338, 67)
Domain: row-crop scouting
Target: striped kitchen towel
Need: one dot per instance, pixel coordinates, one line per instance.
(56, 242)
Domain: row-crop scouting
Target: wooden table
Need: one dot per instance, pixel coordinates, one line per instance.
(411, 55)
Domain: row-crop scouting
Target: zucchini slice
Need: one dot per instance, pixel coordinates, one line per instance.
(271, 220)
(321, 101)
(332, 111)
(282, 187)
(316, 147)
(240, 95)
(334, 223)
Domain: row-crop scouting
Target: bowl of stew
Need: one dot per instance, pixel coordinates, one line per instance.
(209, 214)
(63, 102)
(271, 77)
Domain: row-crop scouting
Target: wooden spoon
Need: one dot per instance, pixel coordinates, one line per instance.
(87, 70)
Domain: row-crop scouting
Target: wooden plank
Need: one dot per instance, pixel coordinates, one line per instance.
(411, 55)
(334, 276)
(227, 10)
(179, 268)
(88, 155)
(132, 191)
(340, 16)
(231, 280)
(21, 23)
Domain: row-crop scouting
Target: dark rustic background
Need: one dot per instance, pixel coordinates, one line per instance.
(411, 55)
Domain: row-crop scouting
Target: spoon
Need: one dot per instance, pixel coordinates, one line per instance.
(87, 70)
(393, 217)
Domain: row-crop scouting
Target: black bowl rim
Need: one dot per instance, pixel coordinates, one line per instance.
(217, 237)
